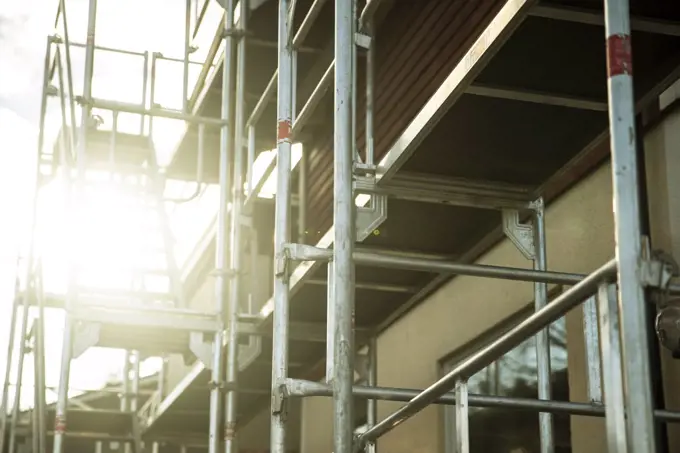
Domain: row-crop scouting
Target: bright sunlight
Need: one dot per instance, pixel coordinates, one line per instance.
(116, 236)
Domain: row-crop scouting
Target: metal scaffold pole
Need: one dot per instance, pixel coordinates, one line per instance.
(372, 381)
(221, 271)
(282, 227)
(636, 366)
(8, 373)
(236, 249)
(28, 278)
(75, 200)
(40, 436)
(543, 337)
(611, 371)
(344, 227)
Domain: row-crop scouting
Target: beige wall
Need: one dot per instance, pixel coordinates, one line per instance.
(580, 238)
(255, 434)
(663, 160)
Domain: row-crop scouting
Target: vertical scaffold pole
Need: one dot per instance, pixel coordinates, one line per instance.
(20, 363)
(145, 92)
(8, 368)
(134, 384)
(372, 381)
(39, 354)
(343, 220)
(8, 372)
(370, 95)
(542, 338)
(187, 52)
(29, 258)
(236, 249)
(222, 239)
(282, 226)
(615, 415)
(636, 366)
(66, 350)
(462, 418)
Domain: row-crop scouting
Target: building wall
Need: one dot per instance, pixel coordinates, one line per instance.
(580, 236)
(579, 239)
(663, 160)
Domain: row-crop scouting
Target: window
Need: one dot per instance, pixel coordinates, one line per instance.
(497, 430)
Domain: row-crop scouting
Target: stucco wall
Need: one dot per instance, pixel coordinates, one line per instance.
(663, 160)
(580, 238)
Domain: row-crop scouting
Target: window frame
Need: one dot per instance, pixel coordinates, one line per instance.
(447, 413)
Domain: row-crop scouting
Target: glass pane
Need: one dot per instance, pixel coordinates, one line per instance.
(514, 375)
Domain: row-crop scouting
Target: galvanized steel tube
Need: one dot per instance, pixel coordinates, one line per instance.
(282, 227)
(235, 251)
(344, 229)
(298, 388)
(221, 236)
(545, 420)
(615, 411)
(636, 366)
(477, 361)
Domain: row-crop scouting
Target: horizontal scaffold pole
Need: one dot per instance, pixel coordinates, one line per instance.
(302, 252)
(123, 107)
(301, 388)
(486, 355)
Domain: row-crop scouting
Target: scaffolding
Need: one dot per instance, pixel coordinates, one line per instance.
(612, 296)
(142, 321)
(625, 369)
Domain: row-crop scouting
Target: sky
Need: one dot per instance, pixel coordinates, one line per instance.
(124, 24)
(24, 27)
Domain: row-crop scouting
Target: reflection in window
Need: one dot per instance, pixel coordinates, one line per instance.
(497, 430)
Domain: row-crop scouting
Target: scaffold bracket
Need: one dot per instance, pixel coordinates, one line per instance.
(86, 336)
(201, 349)
(520, 234)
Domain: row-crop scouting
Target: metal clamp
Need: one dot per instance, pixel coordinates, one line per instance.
(658, 271)
(212, 385)
(362, 40)
(657, 267)
(281, 263)
(235, 32)
(228, 273)
(230, 431)
(279, 401)
(305, 252)
(364, 170)
(51, 91)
